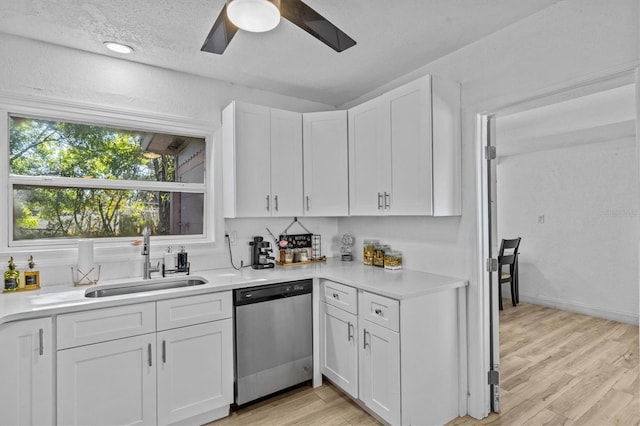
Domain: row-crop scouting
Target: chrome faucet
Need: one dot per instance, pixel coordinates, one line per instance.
(146, 248)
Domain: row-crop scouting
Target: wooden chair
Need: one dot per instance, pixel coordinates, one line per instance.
(508, 256)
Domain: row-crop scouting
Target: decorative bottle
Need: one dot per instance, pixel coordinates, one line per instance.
(11, 277)
(32, 276)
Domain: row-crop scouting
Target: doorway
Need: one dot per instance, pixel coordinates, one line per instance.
(570, 173)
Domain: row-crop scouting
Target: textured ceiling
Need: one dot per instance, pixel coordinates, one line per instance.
(394, 38)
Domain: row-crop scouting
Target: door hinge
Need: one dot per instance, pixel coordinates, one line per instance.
(492, 264)
(490, 153)
(493, 377)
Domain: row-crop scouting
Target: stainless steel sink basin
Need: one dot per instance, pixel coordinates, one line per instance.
(142, 287)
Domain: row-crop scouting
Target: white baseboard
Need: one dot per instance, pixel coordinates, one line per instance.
(593, 311)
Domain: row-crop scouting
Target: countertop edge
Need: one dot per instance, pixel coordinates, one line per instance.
(364, 278)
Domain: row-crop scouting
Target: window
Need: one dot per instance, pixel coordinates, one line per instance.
(70, 180)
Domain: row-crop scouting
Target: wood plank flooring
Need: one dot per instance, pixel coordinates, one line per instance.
(558, 368)
(562, 368)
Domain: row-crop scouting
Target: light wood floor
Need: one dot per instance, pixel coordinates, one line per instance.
(558, 368)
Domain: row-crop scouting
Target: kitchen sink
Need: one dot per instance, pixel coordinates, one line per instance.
(142, 287)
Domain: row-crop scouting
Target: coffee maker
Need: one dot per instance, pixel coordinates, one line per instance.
(261, 254)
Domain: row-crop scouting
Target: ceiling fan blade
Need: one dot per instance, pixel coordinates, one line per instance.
(220, 35)
(315, 24)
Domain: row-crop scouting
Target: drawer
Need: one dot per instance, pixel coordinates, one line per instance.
(191, 310)
(340, 295)
(99, 325)
(380, 310)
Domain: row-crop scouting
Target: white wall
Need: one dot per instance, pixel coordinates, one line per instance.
(584, 257)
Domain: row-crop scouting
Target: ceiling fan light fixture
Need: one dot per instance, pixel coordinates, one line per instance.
(254, 15)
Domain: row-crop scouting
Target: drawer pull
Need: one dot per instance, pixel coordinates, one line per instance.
(378, 312)
(336, 296)
(41, 341)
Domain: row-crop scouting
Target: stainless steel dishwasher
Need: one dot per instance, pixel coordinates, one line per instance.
(273, 331)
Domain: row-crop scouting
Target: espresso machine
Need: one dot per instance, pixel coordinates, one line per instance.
(261, 257)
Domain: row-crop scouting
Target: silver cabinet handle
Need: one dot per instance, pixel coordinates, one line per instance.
(268, 203)
(379, 201)
(164, 351)
(387, 200)
(349, 331)
(150, 360)
(275, 201)
(365, 339)
(41, 341)
(307, 203)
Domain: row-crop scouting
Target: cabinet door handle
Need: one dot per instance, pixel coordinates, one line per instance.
(336, 296)
(387, 200)
(379, 201)
(275, 202)
(307, 203)
(164, 351)
(41, 342)
(150, 360)
(365, 339)
(268, 203)
(349, 331)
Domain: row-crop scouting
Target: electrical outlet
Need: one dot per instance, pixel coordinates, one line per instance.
(233, 237)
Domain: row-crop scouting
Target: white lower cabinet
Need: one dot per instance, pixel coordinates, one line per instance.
(402, 359)
(339, 356)
(380, 371)
(26, 373)
(109, 383)
(183, 373)
(195, 370)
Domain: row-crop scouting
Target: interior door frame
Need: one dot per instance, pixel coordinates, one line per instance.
(484, 137)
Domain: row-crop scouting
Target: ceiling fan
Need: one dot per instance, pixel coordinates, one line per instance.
(263, 15)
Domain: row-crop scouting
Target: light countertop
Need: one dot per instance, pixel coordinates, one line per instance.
(396, 284)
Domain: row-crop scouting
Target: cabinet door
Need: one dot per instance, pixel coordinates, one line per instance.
(411, 149)
(195, 370)
(286, 163)
(380, 371)
(326, 165)
(110, 383)
(26, 372)
(246, 152)
(369, 151)
(339, 354)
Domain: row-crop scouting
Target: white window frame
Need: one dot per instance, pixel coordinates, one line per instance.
(18, 105)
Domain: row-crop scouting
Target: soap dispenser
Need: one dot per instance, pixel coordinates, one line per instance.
(11, 277)
(169, 260)
(32, 276)
(182, 260)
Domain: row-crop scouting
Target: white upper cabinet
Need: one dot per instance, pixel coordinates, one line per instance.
(286, 163)
(404, 151)
(326, 165)
(262, 161)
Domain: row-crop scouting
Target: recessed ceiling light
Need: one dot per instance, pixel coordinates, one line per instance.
(118, 47)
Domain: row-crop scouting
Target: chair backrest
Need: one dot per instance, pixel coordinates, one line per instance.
(509, 246)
